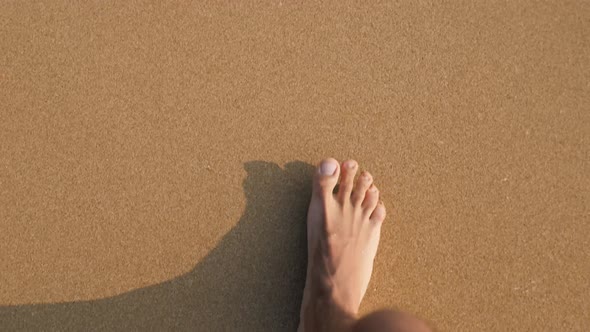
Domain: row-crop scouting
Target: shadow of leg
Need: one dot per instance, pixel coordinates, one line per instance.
(252, 281)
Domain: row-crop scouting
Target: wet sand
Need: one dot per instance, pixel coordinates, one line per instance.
(155, 160)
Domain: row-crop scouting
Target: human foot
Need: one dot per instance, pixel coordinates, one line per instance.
(343, 231)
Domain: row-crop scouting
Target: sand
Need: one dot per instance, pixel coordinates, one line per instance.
(155, 159)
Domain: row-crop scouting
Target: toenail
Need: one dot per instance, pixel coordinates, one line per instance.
(328, 167)
(373, 189)
(350, 164)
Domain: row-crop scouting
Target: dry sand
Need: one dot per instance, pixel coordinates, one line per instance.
(155, 159)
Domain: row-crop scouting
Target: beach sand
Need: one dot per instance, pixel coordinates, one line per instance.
(156, 159)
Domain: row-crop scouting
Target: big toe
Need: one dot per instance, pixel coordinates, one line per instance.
(326, 177)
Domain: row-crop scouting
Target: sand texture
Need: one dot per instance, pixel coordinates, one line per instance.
(155, 159)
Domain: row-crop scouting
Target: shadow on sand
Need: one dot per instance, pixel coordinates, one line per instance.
(252, 281)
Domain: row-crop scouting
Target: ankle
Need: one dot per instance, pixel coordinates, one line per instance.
(323, 313)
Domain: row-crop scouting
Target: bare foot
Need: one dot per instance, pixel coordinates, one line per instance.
(343, 231)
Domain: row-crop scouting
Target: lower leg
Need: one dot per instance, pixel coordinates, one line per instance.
(389, 321)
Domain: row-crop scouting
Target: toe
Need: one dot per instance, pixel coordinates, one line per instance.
(326, 177)
(362, 185)
(349, 168)
(371, 200)
(378, 214)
